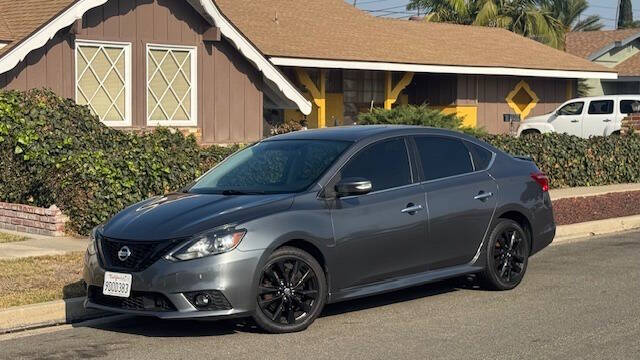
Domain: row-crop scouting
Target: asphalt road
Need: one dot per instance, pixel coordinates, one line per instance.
(578, 301)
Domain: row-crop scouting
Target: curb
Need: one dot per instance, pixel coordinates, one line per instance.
(566, 233)
(52, 313)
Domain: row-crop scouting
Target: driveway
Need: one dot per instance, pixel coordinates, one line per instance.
(578, 301)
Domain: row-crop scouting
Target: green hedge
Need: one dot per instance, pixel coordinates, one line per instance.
(570, 161)
(53, 151)
(420, 115)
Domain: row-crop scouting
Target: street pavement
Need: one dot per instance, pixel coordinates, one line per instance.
(579, 301)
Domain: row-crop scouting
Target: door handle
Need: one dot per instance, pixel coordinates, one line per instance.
(483, 196)
(606, 120)
(412, 209)
(575, 121)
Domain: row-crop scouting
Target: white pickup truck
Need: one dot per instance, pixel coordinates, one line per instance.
(584, 117)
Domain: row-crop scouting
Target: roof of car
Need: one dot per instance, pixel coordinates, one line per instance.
(359, 132)
(607, 97)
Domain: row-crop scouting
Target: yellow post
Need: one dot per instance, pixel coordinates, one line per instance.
(569, 89)
(392, 93)
(318, 93)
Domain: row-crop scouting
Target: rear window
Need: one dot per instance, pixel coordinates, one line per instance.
(601, 107)
(626, 106)
(442, 157)
(481, 156)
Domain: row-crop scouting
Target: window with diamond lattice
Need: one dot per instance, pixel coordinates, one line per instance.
(171, 86)
(103, 80)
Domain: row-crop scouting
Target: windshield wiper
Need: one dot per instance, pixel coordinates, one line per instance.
(240, 192)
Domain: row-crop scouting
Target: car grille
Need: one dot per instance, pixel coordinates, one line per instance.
(143, 254)
(137, 301)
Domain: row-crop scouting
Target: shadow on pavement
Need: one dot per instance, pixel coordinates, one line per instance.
(152, 327)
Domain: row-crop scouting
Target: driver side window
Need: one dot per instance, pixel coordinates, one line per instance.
(385, 164)
(574, 108)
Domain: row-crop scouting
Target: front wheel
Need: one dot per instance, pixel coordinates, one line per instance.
(507, 256)
(291, 293)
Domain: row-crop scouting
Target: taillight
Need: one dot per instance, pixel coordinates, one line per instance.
(542, 180)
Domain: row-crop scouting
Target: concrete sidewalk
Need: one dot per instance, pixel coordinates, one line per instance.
(39, 245)
(557, 194)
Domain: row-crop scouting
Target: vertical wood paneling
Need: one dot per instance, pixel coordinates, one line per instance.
(236, 109)
(160, 22)
(128, 28)
(54, 64)
(111, 24)
(229, 94)
(221, 98)
(208, 94)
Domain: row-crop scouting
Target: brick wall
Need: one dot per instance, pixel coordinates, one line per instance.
(33, 220)
(631, 124)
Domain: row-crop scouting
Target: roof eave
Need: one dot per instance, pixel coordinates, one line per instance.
(445, 69)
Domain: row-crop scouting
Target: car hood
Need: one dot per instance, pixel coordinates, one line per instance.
(538, 119)
(179, 215)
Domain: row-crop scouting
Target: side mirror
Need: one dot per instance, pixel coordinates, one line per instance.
(353, 186)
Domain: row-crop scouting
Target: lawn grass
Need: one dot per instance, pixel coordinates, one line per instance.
(9, 238)
(40, 279)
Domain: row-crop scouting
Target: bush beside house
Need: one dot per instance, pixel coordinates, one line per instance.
(54, 152)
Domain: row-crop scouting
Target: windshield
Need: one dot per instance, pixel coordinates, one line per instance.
(271, 167)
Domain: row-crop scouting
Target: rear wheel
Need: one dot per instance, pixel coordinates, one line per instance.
(507, 256)
(291, 293)
(526, 133)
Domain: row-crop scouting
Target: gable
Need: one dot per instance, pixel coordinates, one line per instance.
(35, 33)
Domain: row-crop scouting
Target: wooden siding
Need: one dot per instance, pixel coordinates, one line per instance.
(493, 90)
(229, 88)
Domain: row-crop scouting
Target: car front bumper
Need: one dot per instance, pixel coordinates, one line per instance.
(231, 274)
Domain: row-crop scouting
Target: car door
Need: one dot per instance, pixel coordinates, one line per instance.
(376, 237)
(568, 119)
(600, 116)
(461, 197)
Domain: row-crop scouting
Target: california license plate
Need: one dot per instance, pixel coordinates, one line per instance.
(117, 284)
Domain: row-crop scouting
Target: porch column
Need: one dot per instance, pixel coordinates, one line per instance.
(392, 92)
(318, 93)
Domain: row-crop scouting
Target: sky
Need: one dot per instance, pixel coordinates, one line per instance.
(397, 8)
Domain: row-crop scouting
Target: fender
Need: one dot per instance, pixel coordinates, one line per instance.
(543, 127)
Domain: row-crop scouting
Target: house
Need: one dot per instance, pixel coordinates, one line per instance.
(618, 50)
(219, 68)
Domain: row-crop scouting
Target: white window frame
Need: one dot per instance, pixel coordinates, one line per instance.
(193, 52)
(128, 69)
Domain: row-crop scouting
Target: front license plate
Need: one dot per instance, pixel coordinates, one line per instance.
(117, 284)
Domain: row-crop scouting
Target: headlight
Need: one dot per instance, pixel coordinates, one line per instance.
(95, 233)
(209, 243)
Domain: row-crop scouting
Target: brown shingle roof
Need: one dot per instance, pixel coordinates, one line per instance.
(585, 43)
(24, 17)
(629, 67)
(333, 29)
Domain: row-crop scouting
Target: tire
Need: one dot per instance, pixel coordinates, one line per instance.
(289, 301)
(527, 133)
(506, 264)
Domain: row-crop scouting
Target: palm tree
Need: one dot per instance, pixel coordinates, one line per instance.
(569, 13)
(544, 20)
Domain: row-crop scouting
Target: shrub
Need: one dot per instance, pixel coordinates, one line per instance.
(56, 152)
(420, 115)
(570, 161)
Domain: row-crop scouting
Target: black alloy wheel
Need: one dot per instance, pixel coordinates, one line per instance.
(507, 256)
(291, 293)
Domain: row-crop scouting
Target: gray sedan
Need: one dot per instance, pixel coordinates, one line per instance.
(291, 223)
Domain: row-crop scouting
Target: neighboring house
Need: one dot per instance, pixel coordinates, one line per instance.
(218, 68)
(615, 49)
